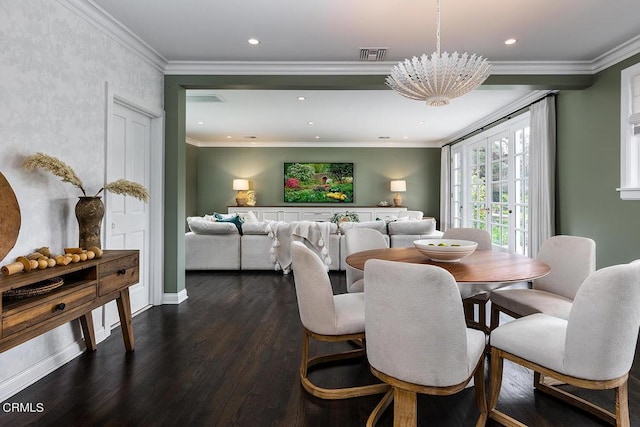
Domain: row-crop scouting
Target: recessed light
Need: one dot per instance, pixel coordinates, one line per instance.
(200, 123)
(301, 98)
(421, 122)
(253, 41)
(228, 136)
(510, 41)
(309, 123)
(317, 137)
(405, 137)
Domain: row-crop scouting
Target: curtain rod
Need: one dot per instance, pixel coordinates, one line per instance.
(500, 120)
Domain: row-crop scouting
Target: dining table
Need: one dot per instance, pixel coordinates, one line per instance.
(481, 271)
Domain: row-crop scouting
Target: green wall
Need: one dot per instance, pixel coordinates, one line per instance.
(191, 194)
(588, 169)
(373, 169)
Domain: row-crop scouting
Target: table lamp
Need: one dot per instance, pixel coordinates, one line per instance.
(241, 185)
(398, 186)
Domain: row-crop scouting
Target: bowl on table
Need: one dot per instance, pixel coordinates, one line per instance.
(445, 250)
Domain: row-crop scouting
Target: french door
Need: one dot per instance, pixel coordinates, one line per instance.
(489, 184)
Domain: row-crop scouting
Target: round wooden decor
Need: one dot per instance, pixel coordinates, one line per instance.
(9, 217)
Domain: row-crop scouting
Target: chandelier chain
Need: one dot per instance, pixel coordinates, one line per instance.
(438, 28)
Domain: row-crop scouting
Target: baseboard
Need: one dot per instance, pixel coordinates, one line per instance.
(174, 298)
(40, 370)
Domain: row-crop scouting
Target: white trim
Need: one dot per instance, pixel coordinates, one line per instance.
(629, 152)
(174, 298)
(353, 144)
(40, 370)
(629, 193)
(357, 67)
(112, 28)
(617, 54)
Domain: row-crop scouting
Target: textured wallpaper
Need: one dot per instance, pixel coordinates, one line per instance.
(53, 72)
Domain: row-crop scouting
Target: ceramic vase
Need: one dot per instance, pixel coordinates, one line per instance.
(89, 212)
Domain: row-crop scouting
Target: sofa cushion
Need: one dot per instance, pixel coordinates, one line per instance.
(379, 225)
(202, 226)
(426, 226)
(251, 227)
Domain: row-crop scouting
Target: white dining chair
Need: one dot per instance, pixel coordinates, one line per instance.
(328, 318)
(483, 239)
(593, 349)
(417, 339)
(571, 259)
(358, 240)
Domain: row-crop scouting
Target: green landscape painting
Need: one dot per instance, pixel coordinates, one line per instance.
(318, 182)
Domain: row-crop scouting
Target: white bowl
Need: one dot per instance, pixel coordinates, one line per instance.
(445, 250)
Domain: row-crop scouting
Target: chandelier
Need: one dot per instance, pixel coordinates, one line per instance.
(439, 78)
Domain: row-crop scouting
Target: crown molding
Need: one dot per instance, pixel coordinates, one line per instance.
(356, 67)
(312, 144)
(112, 28)
(617, 54)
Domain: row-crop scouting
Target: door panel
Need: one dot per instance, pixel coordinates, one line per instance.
(127, 220)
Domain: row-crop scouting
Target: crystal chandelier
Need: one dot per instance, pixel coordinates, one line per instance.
(438, 78)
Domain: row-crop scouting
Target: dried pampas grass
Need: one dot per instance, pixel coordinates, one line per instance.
(64, 172)
(128, 188)
(55, 166)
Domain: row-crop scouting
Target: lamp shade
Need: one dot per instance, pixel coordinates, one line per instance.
(399, 185)
(241, 184)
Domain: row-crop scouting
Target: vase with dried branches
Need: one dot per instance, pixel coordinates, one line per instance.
(89, 209)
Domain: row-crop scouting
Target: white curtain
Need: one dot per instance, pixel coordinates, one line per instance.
(542, 160)
(445, 188)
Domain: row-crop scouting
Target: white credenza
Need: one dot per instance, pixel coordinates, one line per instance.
(317, 213)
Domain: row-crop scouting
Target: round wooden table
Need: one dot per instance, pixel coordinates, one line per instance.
(479, 267)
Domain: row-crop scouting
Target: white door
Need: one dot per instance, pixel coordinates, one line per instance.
(127, 218)
(490, 185)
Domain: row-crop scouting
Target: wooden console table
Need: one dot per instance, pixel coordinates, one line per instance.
(87, 285)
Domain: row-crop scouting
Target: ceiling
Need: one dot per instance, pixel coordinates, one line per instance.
(561, 35)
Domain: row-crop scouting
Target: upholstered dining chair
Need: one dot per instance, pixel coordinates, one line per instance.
(483, 239)
(417, 339)
(358, 240)
(327, 317)
(593, 349)
(571, 259)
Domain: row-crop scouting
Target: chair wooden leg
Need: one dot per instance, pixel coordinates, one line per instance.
(405, 410)
(495, 379)
(338, 393)
(469, 312)
(495, 318)
(380, 408)
(622, 406)
(482, 317)
(478, 385)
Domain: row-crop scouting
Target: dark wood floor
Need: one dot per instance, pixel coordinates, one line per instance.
(229, 356)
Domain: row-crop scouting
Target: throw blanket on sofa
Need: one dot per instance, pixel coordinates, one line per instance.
(314, 234)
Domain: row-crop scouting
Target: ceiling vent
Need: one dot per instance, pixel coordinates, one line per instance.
(204, 98)
(373, 53)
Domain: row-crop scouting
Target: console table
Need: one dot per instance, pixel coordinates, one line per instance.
(87, 285)
(317, 213)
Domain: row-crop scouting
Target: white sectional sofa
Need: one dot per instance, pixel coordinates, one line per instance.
(212, 245)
